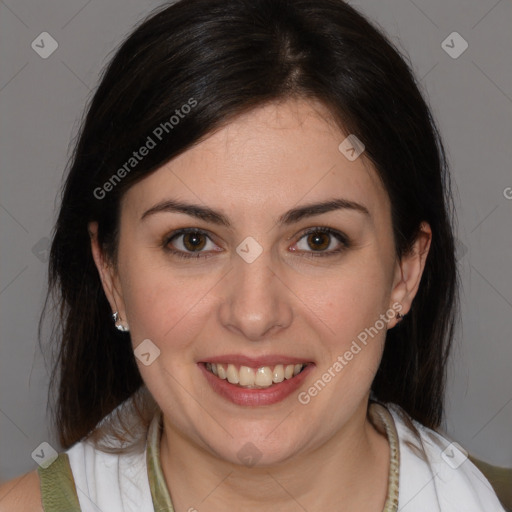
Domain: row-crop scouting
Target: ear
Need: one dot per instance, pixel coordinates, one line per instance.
(408, 272)
(108, 275)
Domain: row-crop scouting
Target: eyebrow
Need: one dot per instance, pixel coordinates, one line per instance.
(290, 217)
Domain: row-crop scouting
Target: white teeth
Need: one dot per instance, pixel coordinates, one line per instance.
(232, 374)
(288, 371)
(246, 376)
(221, 372)
(278, 375)
(262, 377)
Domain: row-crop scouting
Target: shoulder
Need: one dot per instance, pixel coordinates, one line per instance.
(21, 494)
(110, 479)
(434, 469)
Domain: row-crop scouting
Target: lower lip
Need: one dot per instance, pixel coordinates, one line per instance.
(252, 397)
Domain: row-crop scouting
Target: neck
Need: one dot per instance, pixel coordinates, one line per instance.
(336, 475)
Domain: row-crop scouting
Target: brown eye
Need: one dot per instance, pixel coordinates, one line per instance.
(191, 243)
(194, 241)
(322, 241)
(318, 241)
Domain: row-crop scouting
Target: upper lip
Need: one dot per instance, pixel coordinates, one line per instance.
(255, 362)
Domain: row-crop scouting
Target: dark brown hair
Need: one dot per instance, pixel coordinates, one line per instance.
(230, 56)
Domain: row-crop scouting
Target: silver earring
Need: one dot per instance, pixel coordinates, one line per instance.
(120, 326)
(399, 317)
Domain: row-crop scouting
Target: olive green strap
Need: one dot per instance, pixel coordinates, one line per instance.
(159, 492)
(384, 422)
(379, 415)
(58, 491)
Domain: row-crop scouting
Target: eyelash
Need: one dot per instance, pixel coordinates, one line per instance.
(343, 239)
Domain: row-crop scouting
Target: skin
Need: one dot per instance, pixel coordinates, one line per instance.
(288, 301)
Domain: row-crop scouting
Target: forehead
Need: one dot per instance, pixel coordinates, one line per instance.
(267, 160)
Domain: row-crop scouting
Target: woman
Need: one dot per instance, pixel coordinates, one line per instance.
(254, 265)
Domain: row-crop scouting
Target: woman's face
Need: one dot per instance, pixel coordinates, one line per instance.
(288, 259)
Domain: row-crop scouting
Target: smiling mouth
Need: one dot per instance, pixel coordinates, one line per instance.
(255, 378)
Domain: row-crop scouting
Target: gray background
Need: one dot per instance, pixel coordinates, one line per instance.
(41, 101)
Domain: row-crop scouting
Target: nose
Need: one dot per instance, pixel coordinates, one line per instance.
(256, 303)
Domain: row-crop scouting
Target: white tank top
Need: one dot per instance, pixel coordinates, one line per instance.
(427, 471)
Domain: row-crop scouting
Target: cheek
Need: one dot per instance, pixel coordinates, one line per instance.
(351, 306)
(353, 297)
(162, 306)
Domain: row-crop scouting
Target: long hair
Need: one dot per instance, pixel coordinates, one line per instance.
(223, 58)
